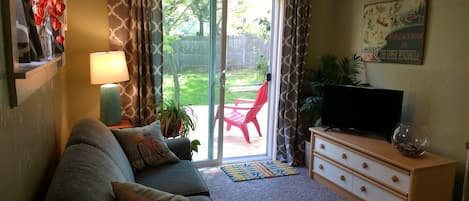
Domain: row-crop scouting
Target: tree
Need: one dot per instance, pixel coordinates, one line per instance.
(168, 49)
(201, 10)
(238, 16)
(264, 27)
(174, 14)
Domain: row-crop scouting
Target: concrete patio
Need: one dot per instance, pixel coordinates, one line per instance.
(234, 144)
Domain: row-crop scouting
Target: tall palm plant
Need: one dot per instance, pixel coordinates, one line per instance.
(332, 70)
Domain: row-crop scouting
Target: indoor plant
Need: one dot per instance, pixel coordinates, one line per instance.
(177, 120)
(331, 70)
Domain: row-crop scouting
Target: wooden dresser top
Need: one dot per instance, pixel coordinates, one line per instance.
(383, 150)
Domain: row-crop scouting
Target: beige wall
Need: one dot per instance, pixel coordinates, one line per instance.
(32, 136)
(28, 138)
(436, 93)
(87, 32)
(321, 30)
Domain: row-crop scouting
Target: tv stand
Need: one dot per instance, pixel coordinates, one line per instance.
(363, 168)
(328, 128)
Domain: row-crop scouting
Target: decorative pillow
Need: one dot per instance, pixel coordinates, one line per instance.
(154, 129)
(137, 192)
(144, 147)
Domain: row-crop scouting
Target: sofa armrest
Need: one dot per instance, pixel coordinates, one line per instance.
(181, 147)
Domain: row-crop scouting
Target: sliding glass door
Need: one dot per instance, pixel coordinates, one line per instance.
(217, 52)
(248, 61)
(192, 66)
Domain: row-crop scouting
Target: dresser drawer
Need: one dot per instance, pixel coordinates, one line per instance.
(332, 151)
(368, 191)
(379, 168)
(381, 173)
(371, 168)
(333, 173)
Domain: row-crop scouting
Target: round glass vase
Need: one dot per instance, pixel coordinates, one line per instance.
(409, 141)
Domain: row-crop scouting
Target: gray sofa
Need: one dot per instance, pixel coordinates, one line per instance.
(93, 159)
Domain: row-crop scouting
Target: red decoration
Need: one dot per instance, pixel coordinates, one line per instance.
(38, 20)
(60, 39)
(56, 25)
(60, 8)
(52, 11)
(50, 3)
(40, 13)
(49, 9)
(41, 3)
(54, 8)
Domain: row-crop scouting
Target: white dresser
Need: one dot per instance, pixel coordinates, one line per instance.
(364, 168)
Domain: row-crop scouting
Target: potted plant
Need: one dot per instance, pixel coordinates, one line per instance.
(331, 70)
(177, 120)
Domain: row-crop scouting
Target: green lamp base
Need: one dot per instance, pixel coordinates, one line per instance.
(110, 104)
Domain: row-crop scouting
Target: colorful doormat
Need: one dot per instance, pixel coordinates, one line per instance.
(257, 170)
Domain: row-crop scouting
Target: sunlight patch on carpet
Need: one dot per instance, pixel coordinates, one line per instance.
(257, 170)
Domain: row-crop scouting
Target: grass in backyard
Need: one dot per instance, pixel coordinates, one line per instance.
(194, 86)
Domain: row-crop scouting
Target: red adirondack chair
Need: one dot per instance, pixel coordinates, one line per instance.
(234, 118)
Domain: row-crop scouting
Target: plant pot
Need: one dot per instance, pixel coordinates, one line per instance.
(173, 130)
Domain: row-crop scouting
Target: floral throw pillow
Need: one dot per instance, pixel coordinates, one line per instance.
(144, 149)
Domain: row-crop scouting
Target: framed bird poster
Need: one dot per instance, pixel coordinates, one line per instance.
(394, 31)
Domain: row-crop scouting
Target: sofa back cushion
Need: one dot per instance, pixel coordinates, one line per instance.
(96, 134)
(84, 173)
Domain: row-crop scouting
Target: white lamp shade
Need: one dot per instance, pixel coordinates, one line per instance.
(108, 67)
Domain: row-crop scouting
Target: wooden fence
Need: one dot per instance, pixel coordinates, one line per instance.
(192, 52)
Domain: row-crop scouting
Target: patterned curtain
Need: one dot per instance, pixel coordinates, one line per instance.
(136, 28)
(290, 140)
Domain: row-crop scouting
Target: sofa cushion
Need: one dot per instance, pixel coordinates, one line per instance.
(181, 147)
(84, 173)
(96, 134)
(145, 150)
(137, 192)
(179, 178)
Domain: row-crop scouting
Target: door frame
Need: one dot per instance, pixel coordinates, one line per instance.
(277, 37)
(273, 88)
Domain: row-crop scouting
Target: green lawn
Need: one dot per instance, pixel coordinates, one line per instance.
(194, 86)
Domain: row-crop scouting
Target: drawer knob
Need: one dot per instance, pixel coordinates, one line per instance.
(395, 179)
(364, 165)
(362, 189)
(322, 146)
(321, 167)
(342, 178)
(344, 156)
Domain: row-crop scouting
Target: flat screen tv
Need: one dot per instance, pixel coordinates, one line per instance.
(362, 109)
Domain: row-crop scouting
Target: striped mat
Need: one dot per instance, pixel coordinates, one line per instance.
(257, 170)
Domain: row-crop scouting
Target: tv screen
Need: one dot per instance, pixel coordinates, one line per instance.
(361, 109)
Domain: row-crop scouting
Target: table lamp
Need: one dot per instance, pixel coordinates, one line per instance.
(108, 68)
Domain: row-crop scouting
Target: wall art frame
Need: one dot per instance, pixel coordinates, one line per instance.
(394, 31)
